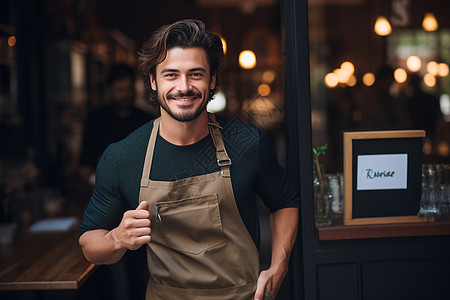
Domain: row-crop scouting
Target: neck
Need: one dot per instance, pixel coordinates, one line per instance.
(183, 133)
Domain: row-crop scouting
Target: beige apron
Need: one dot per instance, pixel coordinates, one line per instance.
(200, 247)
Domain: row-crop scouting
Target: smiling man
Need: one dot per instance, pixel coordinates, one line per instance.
(184, 185)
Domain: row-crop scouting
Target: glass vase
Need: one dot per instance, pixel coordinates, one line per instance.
(322, 198)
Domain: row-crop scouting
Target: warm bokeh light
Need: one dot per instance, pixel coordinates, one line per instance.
(224, 45)
(346, 65)
(331, 80)
(268, 76)
(247, 59)
(429, 22)
(352, 81)
(427, 148)
(217, 104)
(400, 75)
(413, 63)
(433, 68)
(429, 80)
(342, 75)
(264, 89)
(382, 26)
(368, 79)
(11, 41)
(443, 149)
(443, 70)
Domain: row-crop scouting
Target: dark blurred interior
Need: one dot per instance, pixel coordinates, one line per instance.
(54, 60)
(342, 34)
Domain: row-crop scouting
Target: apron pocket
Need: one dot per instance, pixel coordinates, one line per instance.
(191, 225)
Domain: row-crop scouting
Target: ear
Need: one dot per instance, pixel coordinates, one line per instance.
(152, 81)
(212, 85)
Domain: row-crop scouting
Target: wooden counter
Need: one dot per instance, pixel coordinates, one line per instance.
(347, 232)
(43, 261)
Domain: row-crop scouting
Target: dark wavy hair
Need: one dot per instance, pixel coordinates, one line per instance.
(183, 34)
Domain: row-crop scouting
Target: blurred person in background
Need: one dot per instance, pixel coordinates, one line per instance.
(381, 108)
(103, 126)
(112, 122)
(423, 107)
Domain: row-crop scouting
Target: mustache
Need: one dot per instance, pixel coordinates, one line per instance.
(187, 94)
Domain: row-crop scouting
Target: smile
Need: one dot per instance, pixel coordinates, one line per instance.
(184, 99)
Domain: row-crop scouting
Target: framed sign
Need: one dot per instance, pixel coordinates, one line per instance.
(382, 177)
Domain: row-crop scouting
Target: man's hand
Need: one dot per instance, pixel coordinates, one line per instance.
(283, 230)
(134, 229)
(103, 247)
(270, 280)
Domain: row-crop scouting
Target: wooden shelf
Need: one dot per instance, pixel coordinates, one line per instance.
(349, 232)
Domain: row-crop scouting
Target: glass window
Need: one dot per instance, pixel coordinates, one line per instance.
(379, 65)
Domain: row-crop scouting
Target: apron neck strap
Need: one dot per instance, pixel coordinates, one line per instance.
(149, 154)
(223, 160)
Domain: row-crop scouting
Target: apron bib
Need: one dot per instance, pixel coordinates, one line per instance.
(200, 247)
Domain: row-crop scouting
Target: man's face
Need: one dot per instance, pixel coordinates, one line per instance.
(122, 93)
(183, 82)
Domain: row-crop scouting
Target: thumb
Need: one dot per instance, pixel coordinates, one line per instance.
(143, 205)
(259, 294)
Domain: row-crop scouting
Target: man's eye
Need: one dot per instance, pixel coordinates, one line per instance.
(196, 74)
(170, 75)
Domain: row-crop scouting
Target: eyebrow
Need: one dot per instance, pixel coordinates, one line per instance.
(167, 70)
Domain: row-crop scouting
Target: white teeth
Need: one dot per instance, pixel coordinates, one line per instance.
(184, 99)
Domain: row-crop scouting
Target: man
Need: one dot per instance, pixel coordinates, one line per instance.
(192, 179)
(112, 122)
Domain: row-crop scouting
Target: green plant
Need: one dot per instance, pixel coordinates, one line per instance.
(318, 151)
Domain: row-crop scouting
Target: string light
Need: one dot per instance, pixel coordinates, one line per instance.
(429, 80)
(268, 76)
(224, 45)
(12, 41)
(331, 80)
(400, 75)
(264, 90)
(433, 68)
(247, 59)
(352, 81)
(346, 65)
(429, 22)
(382, 26)
(413, 63)
(443, 70)
(368, 79)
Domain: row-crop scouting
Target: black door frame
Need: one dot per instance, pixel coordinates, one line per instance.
(298, 126)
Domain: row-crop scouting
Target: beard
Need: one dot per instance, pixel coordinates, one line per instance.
(187, 114)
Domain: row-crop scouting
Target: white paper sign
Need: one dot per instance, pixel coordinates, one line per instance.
(382, 172)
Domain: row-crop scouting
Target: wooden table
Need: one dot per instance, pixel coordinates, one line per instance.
(43, 261)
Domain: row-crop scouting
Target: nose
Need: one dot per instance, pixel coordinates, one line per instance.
(183, 84)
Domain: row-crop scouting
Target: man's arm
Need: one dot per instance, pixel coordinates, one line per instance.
(107, 247)
(283, 229)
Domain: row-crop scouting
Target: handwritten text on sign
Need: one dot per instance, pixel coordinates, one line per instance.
(382, 172)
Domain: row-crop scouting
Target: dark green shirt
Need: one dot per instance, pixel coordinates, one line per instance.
(254, 168)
